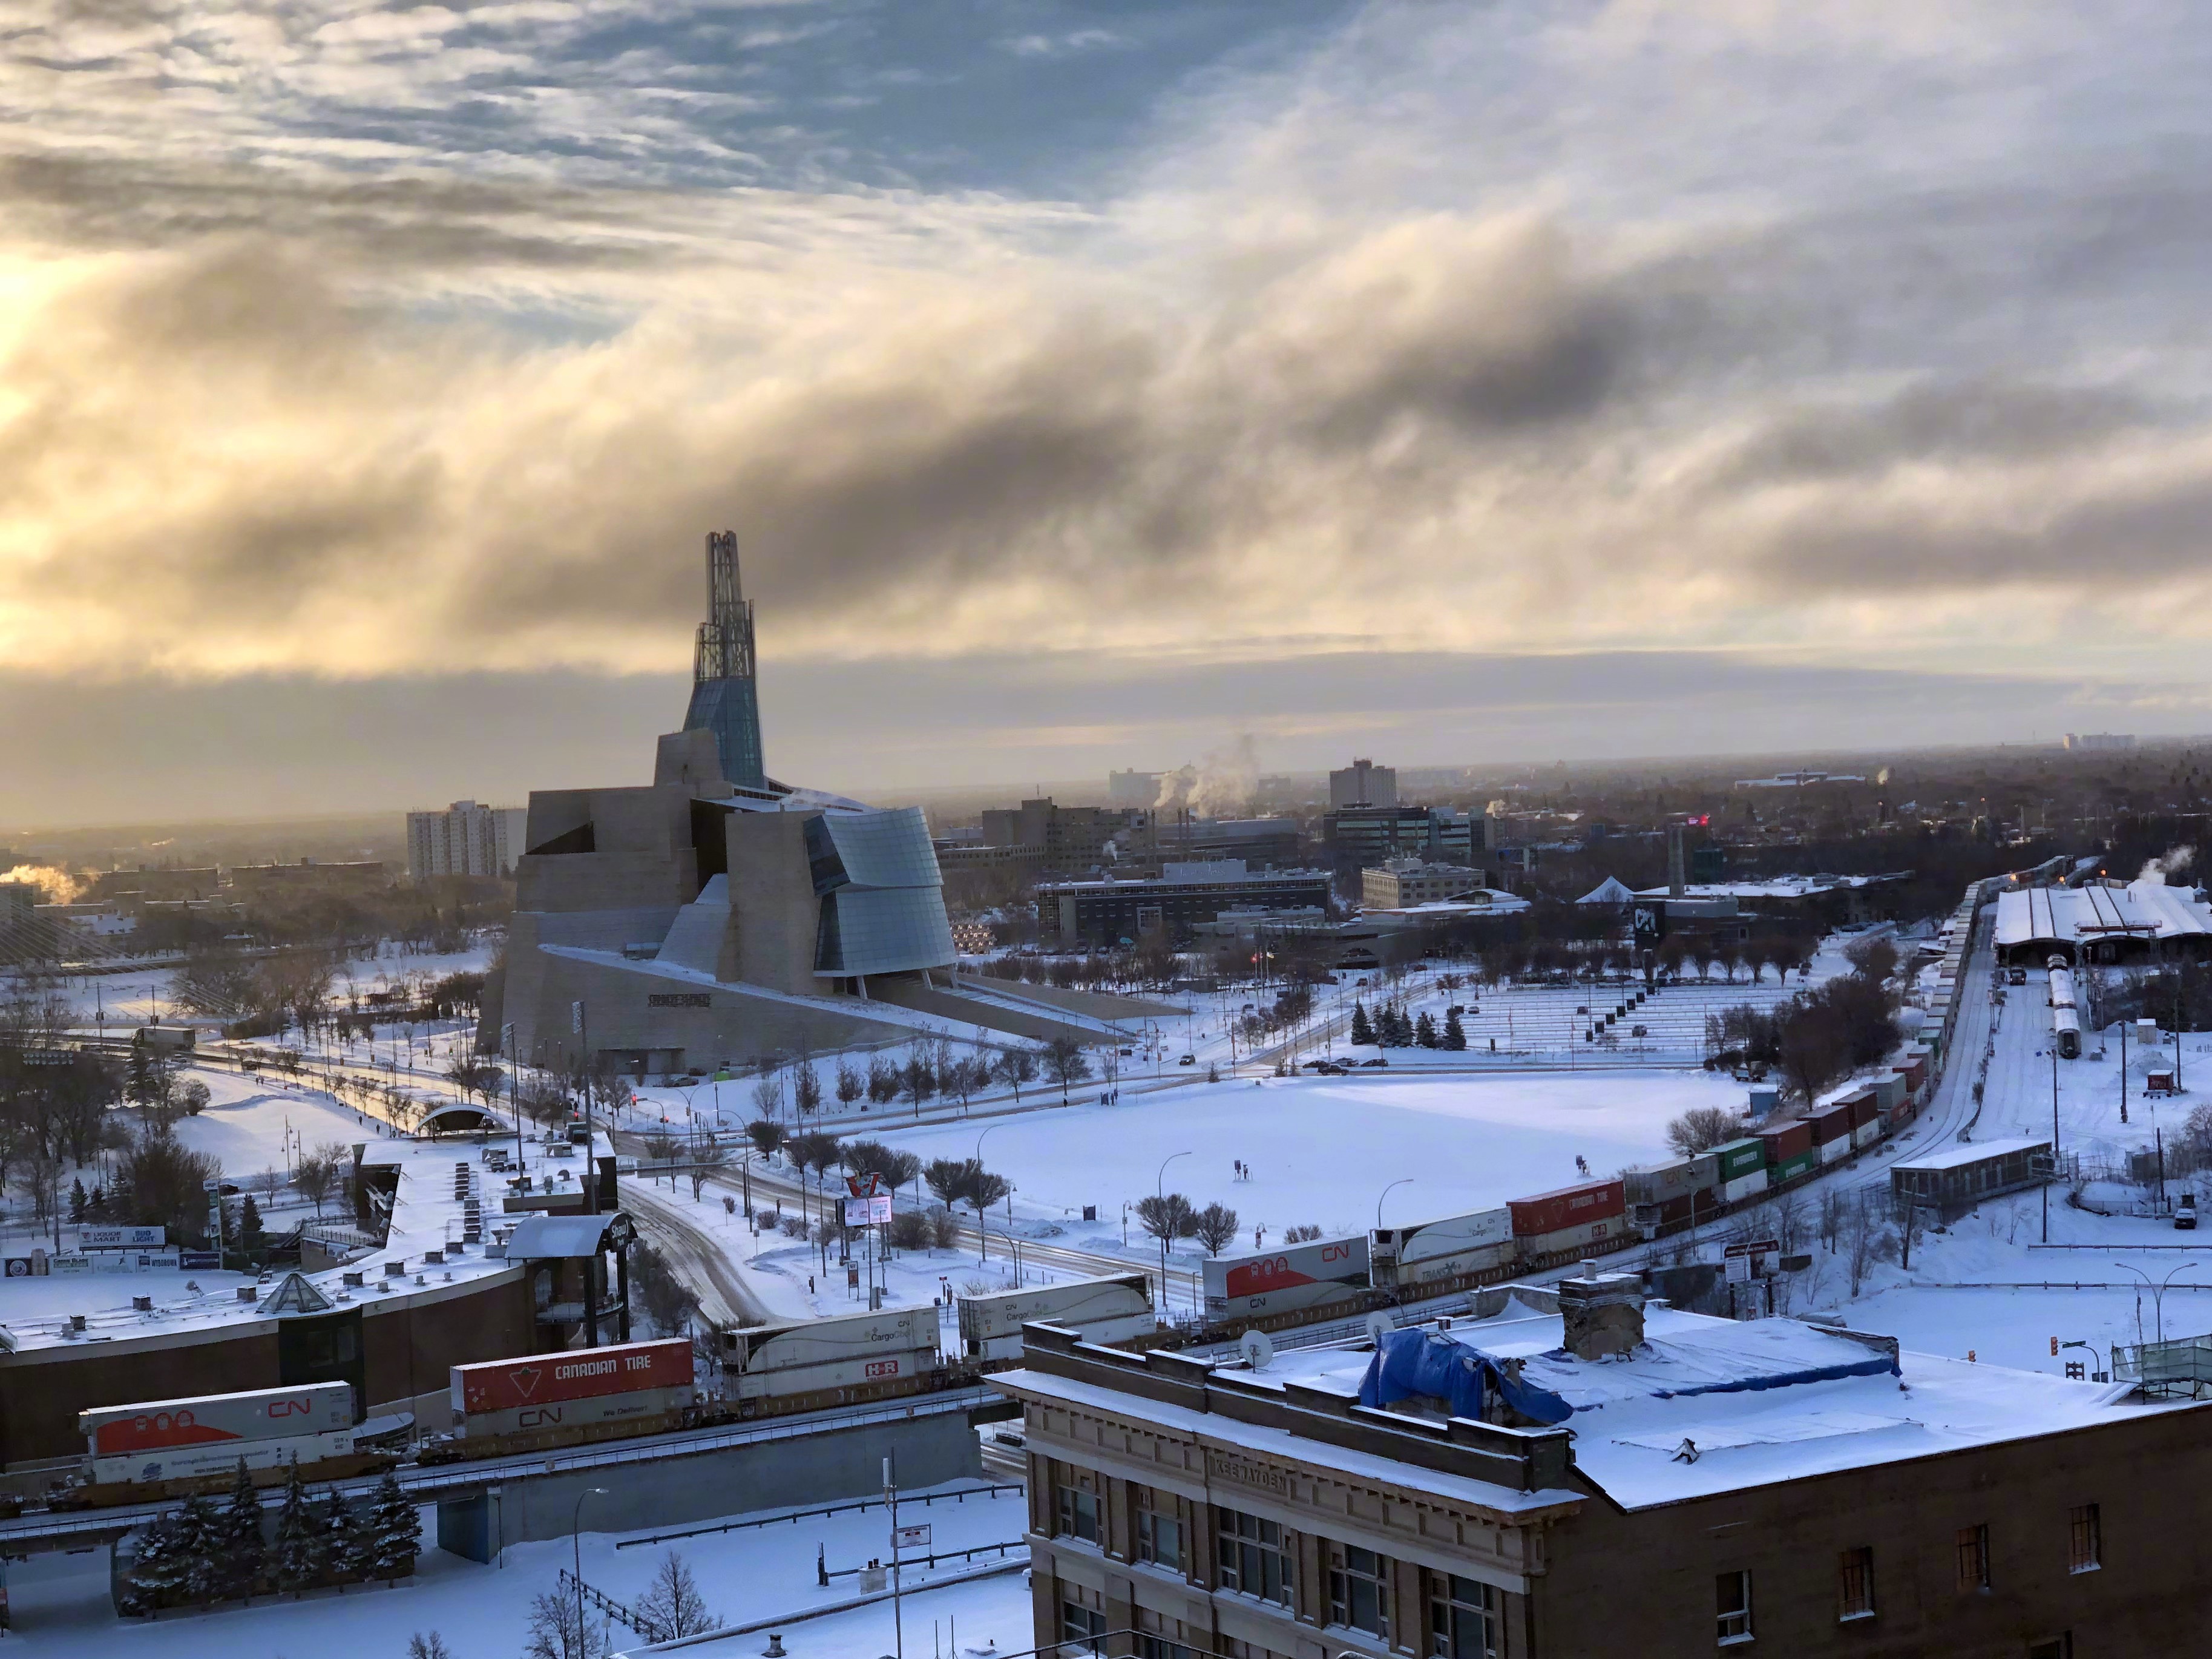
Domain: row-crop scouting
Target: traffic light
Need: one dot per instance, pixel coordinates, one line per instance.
(2054, 1347)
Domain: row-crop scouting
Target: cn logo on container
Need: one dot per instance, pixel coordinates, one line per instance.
(882, 1368)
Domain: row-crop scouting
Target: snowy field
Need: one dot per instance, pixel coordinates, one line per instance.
(1321, 1150)
(60, 1603)
(134, 997)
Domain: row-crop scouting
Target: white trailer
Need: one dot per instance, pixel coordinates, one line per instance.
(1317, 1274)
(1438, 1251)
(188, 1461)
(895, 1346)
(1116, 1307)
(222, 1421)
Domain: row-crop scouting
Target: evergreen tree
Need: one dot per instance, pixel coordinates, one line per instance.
(1454, 1033)
(239, 1547)
(393, 1536)
(156, 1578)
(197, 1538)
(342, 1541)
(1425, 1030)
(78, 1202)
(296, 1559)
(252, 1236)
(1361, 1031)
(97, 1210)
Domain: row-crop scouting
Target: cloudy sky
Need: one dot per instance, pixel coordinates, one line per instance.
(1087, 385)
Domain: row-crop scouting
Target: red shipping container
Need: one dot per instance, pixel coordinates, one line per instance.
(1568, 1206)
(1865, 1108)
(1833, 1124)
(536, 1379)
(1914, 1071)
(1785, 1140)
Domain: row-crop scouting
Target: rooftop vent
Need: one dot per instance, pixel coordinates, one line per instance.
(249, 1293)
(143, 1303)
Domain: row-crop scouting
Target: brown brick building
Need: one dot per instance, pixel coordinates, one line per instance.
(1552, 1486)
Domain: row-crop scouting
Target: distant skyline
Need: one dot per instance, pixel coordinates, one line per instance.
(1089, 386)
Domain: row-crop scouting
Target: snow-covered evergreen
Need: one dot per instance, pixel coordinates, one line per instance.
(295, 1556)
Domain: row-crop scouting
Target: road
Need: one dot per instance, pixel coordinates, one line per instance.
(724, 1298)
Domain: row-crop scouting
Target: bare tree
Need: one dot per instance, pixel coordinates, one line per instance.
(1167, 1217)
(1703, 1127)
(557, 1630)
(1789, 1215)
(706, 1158)
(1214, 1226)
(673, 1602)
(1868, 1242)
(1832, 1216)
(851, 1086)
(430, 1646)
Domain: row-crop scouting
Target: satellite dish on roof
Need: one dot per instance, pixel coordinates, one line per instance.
(1259, 1351)
(1378, 1326)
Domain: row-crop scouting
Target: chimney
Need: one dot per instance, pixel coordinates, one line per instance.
(1602, 1313)
(1675, 882)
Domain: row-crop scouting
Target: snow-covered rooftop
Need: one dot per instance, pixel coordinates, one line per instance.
(1952, 1158)
(2145, 907)
(1703, 1405)
(426, 1216)
(1772, 887)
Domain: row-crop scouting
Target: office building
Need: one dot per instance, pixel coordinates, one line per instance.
(1397, 883)
(1066, 838)
(1356, 836)
(1364, 783)
(1100, 915)
(1137, 789)
(464, 840)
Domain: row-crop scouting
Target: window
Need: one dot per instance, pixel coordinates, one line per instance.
(1973, 1559)
(1159, 1528)
(2086, 1551)
(1462, 1618)
(1359, 1590)
(1253, 1558)
(1855, 1584)
(1081, 1627)
(1076, 1497)
(1732, 1603)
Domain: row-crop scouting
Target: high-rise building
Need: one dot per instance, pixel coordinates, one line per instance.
(464, 840)
(1138, 789)
(1364, 783)
(724, 693)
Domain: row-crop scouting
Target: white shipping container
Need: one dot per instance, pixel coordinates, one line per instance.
(892, 1345)
(1743, 1187)
(216, 1457)
(1431, 1251)
(154, 1425)
(1114, 1309)
(1867, 1133)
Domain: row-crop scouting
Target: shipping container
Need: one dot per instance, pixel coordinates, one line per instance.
(1567, 1207)
(532, 1385)
(1117, 1308)
(218, 1457)
(1785, 1140)
(1661, 1183)
(856, 1350)
(1803, 1164)
(1434, 1252)
(1831, 1123)
(1298, 1276)
(1887, 1092)
(1863, 1109)
(1914, 1071)
(223, 1419)
(649, 1408)
(1739, 1158)
(1743, 1187)
(1868, 1132)
(1601, 1234)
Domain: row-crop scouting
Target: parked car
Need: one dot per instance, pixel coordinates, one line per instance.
(1377, 1061)
(2185, 1213)
(1187, 1059)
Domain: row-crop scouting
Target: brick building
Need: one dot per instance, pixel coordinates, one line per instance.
(1589, 1482)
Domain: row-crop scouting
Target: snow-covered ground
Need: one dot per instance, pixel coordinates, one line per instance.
(1321, 1151)
(136, 996)
(61, 1601)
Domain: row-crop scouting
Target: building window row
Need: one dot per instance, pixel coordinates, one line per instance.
(1253, 1559)
(1076, 1506)
(1854, 1592)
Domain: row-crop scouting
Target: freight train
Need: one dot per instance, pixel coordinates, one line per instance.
(2065, 1010)
(174, 1448)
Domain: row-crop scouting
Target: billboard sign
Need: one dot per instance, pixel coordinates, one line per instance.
(867, 1212)
(122, 1238)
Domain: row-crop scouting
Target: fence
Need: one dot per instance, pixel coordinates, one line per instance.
(2180, 1369)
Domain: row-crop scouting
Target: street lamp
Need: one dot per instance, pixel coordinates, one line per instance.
(576, 1538)
(1159, 1192)
(2157, 1293)
(1403, 1181)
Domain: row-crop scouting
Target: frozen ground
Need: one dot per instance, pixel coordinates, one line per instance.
(1322, 1150)
(61, 1602)
(134, 997)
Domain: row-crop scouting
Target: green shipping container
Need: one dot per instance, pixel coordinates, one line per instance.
(1792, 1167)
(1742, 1158)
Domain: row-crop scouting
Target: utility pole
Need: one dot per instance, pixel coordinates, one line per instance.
(898, 1618)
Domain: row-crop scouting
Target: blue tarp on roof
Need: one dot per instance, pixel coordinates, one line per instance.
(1874, 1367)
(1433, 1366)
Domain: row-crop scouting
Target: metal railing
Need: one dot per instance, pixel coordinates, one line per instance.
(749, 1522)
(2181, 1369)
